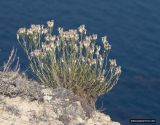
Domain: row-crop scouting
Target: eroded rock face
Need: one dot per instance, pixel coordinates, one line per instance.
(25, 102)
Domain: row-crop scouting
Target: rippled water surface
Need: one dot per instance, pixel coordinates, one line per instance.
(133, 28)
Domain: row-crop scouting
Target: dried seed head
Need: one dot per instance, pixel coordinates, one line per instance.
(86, 44)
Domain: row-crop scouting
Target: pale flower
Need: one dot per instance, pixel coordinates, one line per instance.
(52, 38)
(36, 53)
(50, 23)
(97, 53)
(45, 31)
(112, 62)
(52, 45)
(21, 31)
(91, 50)
(107, 46)
(82, 29)
(98, 48)
(36, 28)
(30, 32)
(86, 43)
(94, 61)
(104, 39)
(60, 30)
(118, 70)
(94, 36)
(47, 38)
(102, 79)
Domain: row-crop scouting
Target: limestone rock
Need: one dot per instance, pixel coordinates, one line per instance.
(26, 102)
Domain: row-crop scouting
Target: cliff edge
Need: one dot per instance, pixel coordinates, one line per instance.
(26, 102)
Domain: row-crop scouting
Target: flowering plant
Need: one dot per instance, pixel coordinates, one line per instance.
(70, 59)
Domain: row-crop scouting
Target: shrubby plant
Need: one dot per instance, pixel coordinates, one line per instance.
(70, 59)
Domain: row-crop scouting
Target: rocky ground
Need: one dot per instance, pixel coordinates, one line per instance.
(26, 102)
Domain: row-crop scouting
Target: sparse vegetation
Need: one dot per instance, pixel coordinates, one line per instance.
(70, 59)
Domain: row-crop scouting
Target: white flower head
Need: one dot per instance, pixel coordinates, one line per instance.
(107, 46)
(86, 44)
(104, 39)
(113, 62)
(118, 70)
(94, 61)
(50, 23)
(82, 29)
(94, 36)
(30, 32)
(21, 31)
(98, 48)
(45, 31)
(60, 30)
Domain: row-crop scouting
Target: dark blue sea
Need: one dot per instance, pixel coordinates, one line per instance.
(133, 30)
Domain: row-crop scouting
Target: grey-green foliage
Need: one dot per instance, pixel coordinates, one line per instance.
(70, 59)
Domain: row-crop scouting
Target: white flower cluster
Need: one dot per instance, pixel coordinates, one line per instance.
(68, 35)
(113, 64)
(107, 46)
(70, 48)
(82, 29)
(50, 23)
(34, 30)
